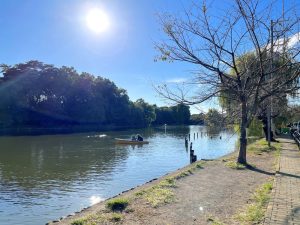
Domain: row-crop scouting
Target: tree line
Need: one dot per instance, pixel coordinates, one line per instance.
(35, 94)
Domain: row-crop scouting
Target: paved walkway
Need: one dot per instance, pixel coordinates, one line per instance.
(284, 207)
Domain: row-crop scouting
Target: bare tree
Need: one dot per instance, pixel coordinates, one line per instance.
(234, 53)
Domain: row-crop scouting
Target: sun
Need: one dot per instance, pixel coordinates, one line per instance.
(97, 20)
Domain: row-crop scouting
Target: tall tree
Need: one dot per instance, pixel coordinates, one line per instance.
(275, 105)
(215, 42)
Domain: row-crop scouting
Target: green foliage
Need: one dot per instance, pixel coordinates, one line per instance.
(179, 114)
(117, 204)
(34, 94)
(214, 118)
(197, 119)
(147, 109)
(255, 211)
(255, 128)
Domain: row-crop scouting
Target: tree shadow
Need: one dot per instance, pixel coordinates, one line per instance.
(294, 214)
(255, 169)
(289, 175)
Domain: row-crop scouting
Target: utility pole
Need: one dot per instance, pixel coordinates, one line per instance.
(271, 88)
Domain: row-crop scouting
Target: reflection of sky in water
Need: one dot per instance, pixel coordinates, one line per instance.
(95, 199)
(46, 177)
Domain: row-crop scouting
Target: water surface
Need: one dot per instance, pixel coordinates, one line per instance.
(45, 177)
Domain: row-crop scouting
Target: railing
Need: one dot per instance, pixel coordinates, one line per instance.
(296, 136)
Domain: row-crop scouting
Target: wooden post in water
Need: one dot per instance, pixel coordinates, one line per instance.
(189, 137)
(186, 142)
(194, 136)
(194, 158)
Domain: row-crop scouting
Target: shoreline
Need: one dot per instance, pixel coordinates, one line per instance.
(101, 205)
(223, 189)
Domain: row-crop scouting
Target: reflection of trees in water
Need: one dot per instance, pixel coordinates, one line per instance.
(174, 131)
(30, 162)
(217, 131)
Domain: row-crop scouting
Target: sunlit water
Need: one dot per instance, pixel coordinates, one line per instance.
(45, 177)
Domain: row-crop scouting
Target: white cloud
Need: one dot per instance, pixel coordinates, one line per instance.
(289, 41)
(177, 80)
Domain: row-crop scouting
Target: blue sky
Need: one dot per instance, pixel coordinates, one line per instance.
(55, 32)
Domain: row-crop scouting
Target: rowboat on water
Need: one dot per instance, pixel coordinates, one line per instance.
(129, 141)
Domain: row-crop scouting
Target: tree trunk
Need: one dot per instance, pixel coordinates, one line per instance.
(243, 136)
(265, 128)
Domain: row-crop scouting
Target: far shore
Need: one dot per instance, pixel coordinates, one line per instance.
(34, 131)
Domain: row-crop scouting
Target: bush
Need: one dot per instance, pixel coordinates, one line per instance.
(117, 204)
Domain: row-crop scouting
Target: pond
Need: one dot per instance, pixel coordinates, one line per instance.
(45, 177)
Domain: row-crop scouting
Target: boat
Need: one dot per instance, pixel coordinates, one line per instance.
(129, 141)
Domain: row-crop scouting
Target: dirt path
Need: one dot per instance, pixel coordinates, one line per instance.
(214, 191)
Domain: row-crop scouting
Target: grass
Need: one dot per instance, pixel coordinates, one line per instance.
(116, 217)
(261, 146)
(98, 219)
(254, 212)
(184, 174)
(117, 204)
(79, 222)
(159, 194)
(258, 147)
(214, 221)
(162, 193)
(89, 220)
(235, 165)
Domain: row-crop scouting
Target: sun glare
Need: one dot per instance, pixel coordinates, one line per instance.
(97, 21)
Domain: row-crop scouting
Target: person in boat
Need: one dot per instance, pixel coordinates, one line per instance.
(133, 138)
(139, 137)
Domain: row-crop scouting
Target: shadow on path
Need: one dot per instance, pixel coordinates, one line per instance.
(249, 167)
(289, 175)
(294, 214)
